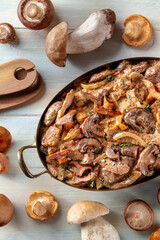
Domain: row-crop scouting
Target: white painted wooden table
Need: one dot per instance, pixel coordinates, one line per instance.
(22, 121)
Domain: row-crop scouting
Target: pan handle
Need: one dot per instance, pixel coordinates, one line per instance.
(22, 162)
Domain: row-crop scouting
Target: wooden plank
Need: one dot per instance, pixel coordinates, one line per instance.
(31, 46)
(75, 14)
(18, 188)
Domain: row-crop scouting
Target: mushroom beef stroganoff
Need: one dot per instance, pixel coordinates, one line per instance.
(105, 131)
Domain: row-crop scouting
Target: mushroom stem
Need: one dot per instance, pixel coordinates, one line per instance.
(39, 209)
(7, 33)
(32, 11)
(97, 28)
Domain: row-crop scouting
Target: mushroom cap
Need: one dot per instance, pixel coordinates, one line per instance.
(155, 235)
(6, 210)
(137, 30)
(138, 215)
(84, 211)
(55, 45)
(4, 164)
(41, 206)
(35, 14)
(5, 139)
(7, 33)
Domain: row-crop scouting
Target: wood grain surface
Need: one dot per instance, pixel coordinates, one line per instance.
(22, 121)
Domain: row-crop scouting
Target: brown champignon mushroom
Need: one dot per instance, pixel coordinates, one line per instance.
(98, 27)
(5, 139)
(137, 30)
(158, 196)
(7, 33)
(155, 235)
(4, 164)
(138, 215)
(6, 210)
(41, 206)
(35, 14)
(84, 211)
(89, 143)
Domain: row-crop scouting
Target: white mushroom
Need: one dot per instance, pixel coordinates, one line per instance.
(98, 27)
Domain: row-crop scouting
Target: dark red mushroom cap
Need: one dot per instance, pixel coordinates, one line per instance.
(7, 33)
(138, 215)
(36, 14)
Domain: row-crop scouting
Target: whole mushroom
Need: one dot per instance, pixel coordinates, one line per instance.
(35, 14)
(6, 210)
(98, 27)
(7, 33)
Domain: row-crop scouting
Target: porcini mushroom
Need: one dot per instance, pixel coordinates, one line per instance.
(41, 206)
(4, 164)
(155, 235)
(138, 215)
(137, 30)
(158, 196)
(98, 27)
(93, 226)
(35, 14)
(6, 210)
(7, 33)
(5, 139)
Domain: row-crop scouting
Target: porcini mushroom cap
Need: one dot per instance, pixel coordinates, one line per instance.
(7, 33)
(6, 210)
(4, 164)
(55, 45)
(84, 211)
(137, 30)
(138, 215)
(35, 14)
(41, 206)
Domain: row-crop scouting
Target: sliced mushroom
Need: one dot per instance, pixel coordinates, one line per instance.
(90, 35)
(90, 128)
(5, 139)
(4, 164)
(88, 158)
(89, 143)
(140, 67)
(153, 73)
(6, 210)
(131, 151)
(101, 75)
(80, 181)
(41, 206)
(35, 14)
(67, 120)
(138, 215)
(80, 170)
(147, 159)
(7, 33)
(51, 113)
(61, 157)
(140, 120)
(111, 153)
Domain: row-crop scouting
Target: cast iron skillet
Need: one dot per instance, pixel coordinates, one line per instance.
(37, 143)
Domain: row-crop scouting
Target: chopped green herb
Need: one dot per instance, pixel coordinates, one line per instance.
(94, 150)
(92, 184)
(149, 145)
(85, 103)
(90, 112)
(45, 152)
(103, 160)
(63, 169)
(113, 164)
(115, 94)
(138, 91)
(100, 186)
(78, 100)
(102, 179)
(53, 138)
(110, 78)
(129, 144)
(59, 138)
(121, 145)
(69, 159)
(103, 82)
(98, 128)
(54, 110)
(105, 138)
(148, 107)
(52, 117)
(125, 144)
(64, 146)
(152, 168)
(142, 127)
(122, 83)
(149, 85)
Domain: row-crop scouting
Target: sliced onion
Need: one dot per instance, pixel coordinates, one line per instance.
(93, 85)
(129, 181)
(131, 135)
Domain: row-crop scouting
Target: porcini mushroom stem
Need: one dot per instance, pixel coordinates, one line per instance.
(32, 11)
(39, 209)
